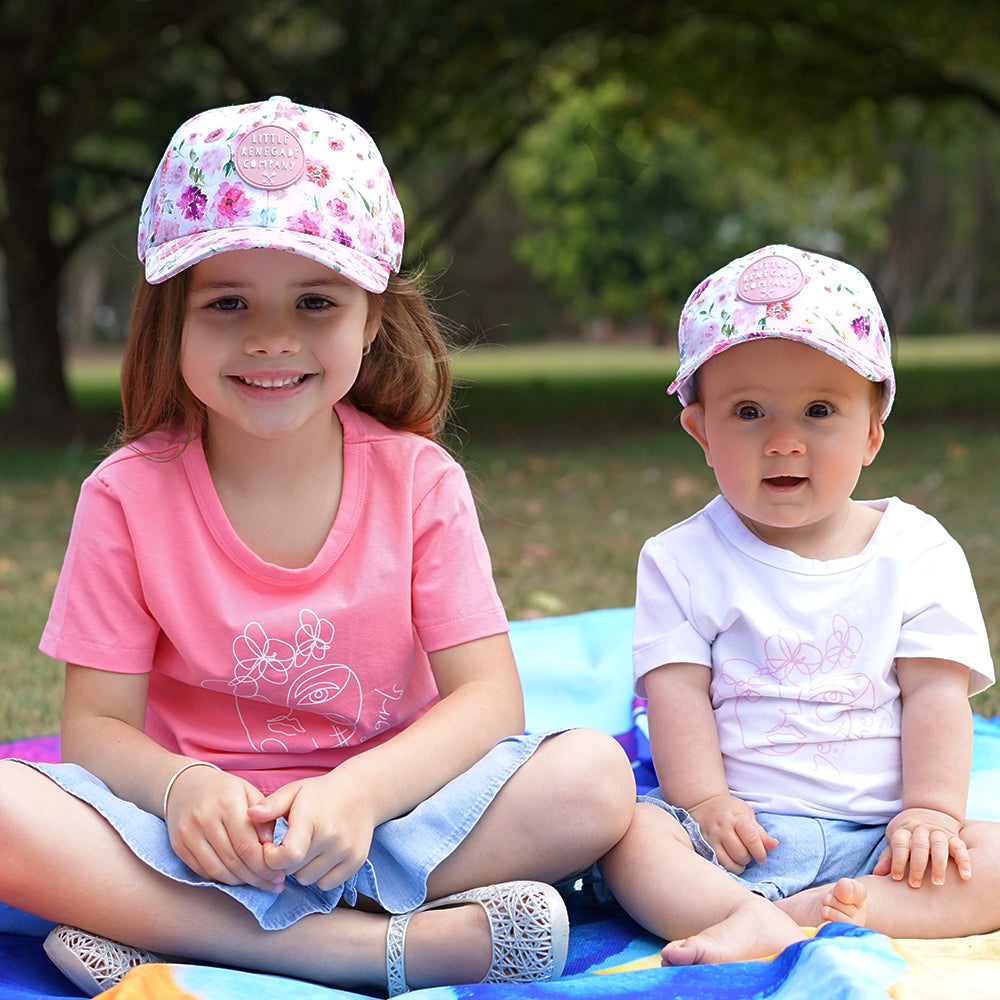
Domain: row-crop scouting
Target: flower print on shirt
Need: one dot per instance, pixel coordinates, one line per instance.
(300, 680)
(786, 656)
(259, 660)
(843, 645)
(803, 698)
(313, 638)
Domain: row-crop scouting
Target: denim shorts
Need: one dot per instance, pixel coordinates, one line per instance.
(403, 853)
(810, 852)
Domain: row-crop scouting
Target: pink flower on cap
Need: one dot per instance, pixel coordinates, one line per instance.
(780, 291)
(339, 208)
(231, 204)
(260, 168)
(308, 222)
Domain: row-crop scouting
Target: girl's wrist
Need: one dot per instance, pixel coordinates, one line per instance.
(177, 774)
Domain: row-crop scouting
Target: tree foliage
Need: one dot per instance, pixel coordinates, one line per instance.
(626, 211)
(713, 98)
(859, 130)
(91, 90)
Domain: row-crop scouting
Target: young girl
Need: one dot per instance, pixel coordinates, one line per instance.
(291, 708)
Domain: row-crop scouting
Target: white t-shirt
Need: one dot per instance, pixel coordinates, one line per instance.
(802, 651)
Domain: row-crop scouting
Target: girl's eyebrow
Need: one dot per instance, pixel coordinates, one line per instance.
(235, 283)
(199, 285)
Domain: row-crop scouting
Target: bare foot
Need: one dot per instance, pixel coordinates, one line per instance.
(754, 929)
(847, 901)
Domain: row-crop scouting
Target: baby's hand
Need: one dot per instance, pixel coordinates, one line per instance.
(917, 836)
(329, 834)
(211, 832)
(730, 827)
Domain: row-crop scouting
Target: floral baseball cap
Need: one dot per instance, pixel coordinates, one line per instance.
(779, 291)
(273, 175)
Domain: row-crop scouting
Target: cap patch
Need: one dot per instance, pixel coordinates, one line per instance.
(269, 157)
(770, 279)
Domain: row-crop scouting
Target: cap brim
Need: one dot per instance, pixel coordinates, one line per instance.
(854, 360)
(165, 261)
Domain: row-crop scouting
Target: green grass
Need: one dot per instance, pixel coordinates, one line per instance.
(576, 457)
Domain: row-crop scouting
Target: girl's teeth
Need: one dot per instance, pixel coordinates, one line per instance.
(272, 383)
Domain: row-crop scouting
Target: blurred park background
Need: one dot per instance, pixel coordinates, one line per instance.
(568, 172)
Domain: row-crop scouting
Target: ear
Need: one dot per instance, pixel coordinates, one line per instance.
(693, 421)
(373, 321)
(876, 435)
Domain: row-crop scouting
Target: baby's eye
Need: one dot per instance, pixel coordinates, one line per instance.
(819, 410)
(748, 411)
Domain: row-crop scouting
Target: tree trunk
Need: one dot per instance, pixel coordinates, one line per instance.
(33, 269)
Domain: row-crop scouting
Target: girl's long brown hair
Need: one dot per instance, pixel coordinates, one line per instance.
(404, 382)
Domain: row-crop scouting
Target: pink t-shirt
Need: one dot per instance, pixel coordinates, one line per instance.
(274, 673)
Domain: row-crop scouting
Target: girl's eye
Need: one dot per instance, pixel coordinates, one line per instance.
(314, 302)
(229, 303)
(748, 411)
(819, 410)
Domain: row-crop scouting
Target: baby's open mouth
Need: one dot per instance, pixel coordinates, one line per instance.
(785, 480)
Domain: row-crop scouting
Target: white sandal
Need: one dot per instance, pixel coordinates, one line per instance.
(528, 924)
(91, 962)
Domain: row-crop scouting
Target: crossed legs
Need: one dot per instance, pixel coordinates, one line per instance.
(66, 864)
(707, 916)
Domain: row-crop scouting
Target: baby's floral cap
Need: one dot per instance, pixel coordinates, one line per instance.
(779, 291)
(273, 175)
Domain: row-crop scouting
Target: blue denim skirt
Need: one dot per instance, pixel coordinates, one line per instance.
(403, 853)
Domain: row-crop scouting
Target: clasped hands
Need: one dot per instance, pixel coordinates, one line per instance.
(222, 827)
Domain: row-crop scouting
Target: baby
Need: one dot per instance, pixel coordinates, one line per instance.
(807, 657)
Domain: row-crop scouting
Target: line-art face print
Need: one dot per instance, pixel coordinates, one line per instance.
(299, 679)
(804, 697)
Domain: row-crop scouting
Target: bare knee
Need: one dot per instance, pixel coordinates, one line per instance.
(654, 841)
(652, 830)
(593, 785)
(19, 787)
(15, 784)
(983, 840)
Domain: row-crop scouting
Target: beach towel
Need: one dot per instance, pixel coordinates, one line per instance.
(576, 671)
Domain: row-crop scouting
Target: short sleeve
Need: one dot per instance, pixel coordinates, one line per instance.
(98, 616)
(664, 631)
(942, 618)
(455, 599)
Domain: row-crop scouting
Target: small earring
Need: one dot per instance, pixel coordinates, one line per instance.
(368, 347)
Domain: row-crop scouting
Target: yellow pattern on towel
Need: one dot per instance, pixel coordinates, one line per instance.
(966, 968)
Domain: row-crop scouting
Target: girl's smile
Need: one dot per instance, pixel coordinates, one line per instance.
(271, 341)
(272, 382)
